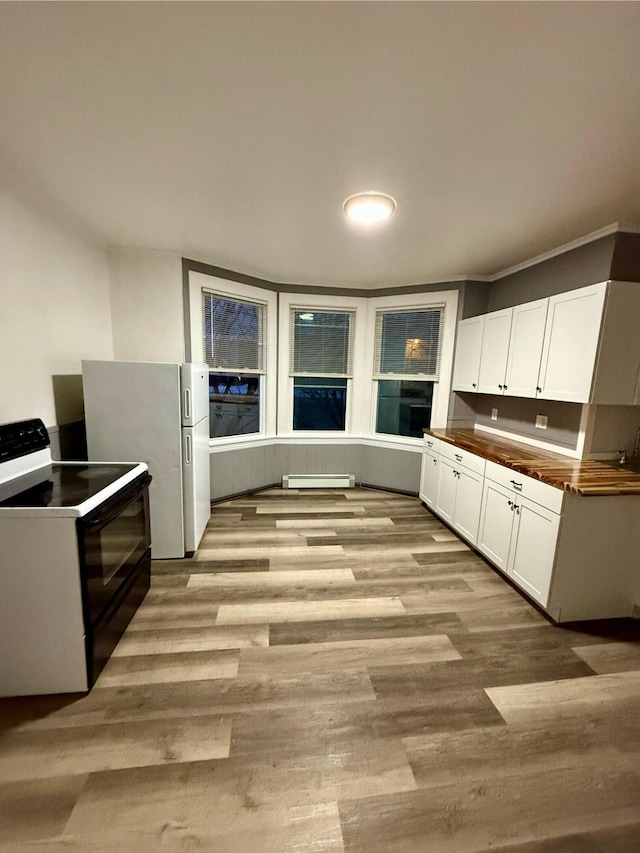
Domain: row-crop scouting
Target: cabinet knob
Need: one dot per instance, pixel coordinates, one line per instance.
(473, 384)
(538, 389)
(504, 387)
(500, 387)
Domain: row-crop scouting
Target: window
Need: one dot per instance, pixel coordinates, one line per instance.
(234, 348)
(320, 365)
(407, 353)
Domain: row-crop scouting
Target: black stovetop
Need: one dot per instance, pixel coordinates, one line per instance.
(60, 484)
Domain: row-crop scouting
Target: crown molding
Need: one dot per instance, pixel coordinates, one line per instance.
(614, 228)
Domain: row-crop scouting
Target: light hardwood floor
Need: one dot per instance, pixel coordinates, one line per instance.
(334, 671)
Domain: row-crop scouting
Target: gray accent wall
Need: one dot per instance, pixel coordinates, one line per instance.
(614, 428)
(579, 267)
(625, 265)
(518, 415)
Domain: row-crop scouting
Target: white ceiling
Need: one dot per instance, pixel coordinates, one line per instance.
(232, 132)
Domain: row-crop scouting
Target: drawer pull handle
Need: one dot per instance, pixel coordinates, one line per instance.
(458, 457)
(516, 485)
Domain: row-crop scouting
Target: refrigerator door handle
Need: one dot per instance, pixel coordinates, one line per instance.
(187, 403)
(187, 450)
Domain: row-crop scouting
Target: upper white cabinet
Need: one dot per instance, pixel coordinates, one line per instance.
(525, 348)
(467, 358)
(571, 344)
(494, 352)
(582, 347)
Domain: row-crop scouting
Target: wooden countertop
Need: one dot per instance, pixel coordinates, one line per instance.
(583, 477)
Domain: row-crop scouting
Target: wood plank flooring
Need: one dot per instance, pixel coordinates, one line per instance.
(334, 671)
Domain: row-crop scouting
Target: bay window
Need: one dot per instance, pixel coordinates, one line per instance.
(234, 334)
(407, 356)
(320, 367)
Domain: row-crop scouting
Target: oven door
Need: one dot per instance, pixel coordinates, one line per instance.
(112, 541)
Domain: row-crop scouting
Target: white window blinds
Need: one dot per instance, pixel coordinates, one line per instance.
(321, 342)
(234, 333)
(407, 343)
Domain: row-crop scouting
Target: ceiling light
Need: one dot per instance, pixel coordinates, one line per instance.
(369, 207)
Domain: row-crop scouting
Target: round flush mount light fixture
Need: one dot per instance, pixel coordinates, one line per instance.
(369, 207)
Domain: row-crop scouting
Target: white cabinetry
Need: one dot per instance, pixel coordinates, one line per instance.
(459, 494)
(571, 344)
(525, 348)
(555, 545)
(517, 534)
(429, 471)
(494, 352)
(467, 359)
(581, 346)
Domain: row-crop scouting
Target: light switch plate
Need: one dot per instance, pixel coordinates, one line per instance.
(494, 414)
(541, 421)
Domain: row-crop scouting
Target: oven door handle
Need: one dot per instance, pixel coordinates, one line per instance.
(106, 515)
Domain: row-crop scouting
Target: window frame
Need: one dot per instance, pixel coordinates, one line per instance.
(318, 302)
(448, 299)
(238, 292)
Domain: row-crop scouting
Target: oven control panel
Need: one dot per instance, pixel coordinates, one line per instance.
(22, 437)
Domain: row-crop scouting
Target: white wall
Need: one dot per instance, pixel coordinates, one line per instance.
(54, 307)
(147, 305)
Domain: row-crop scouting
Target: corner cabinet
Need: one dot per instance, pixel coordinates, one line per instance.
(457, 494)
(429, 471)
(581, 346)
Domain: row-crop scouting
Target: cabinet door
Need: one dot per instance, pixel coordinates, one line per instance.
(494, 352)
(571, 344)
(466, 515)
(429, 478)
(525, 348)
(533, 548)
(496, 523)
(447, 487)
(467, 359)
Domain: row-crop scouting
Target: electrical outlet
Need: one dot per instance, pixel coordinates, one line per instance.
(541, 421)
(494, 414)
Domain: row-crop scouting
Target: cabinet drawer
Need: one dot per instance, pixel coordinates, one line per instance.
(431, 443)
(462, 457)
(541, 493)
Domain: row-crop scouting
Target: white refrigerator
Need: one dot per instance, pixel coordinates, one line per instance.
(156, 413)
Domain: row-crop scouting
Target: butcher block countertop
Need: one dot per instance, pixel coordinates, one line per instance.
(582, 477)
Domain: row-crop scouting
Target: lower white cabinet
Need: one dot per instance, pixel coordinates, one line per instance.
(459, 498)
(533, 548)
(519, 536)
(429, 478)
(576, 556)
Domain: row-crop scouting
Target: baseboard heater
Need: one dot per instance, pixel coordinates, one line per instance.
(318, 481)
